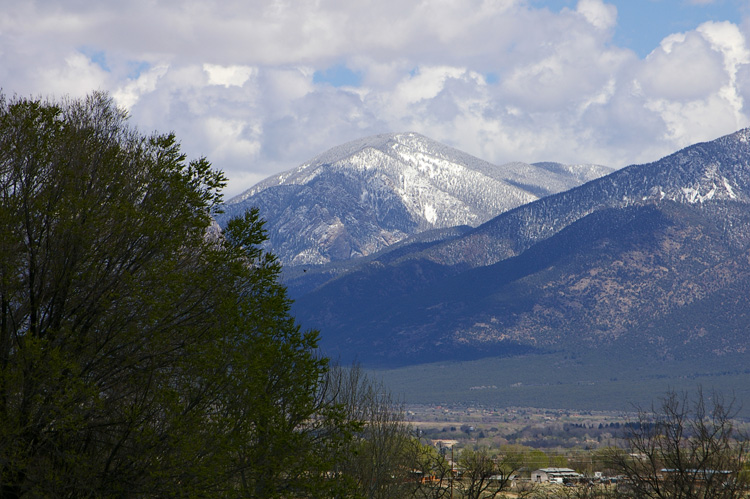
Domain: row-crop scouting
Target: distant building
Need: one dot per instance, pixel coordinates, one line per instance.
(554, 475)
(444, 443)
(697, 474)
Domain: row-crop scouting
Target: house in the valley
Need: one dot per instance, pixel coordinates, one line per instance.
(554, 475)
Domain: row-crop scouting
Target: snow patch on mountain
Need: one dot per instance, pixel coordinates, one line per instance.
(364, 195)
(703, 173)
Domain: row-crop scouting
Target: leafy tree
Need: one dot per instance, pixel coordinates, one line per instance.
(433, 472)
(685, 448)
(141, 353)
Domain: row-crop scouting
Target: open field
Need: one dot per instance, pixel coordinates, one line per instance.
(615, 382)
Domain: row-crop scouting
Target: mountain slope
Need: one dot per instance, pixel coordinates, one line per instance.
(716, 170)
(369, 194)
(636, 258)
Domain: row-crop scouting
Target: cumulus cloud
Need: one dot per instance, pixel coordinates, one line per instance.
(599, 14)
(502, 79)
(685, 67)
(692, 83)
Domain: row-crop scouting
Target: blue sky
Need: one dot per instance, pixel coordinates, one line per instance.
(260, 86)
(338, 76)
(642, 24)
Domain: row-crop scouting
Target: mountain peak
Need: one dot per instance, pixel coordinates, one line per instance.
(385, 143)
(367, 194)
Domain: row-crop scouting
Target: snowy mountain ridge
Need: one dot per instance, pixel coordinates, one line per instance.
(653, 257)
(711, 171)
(367, 194)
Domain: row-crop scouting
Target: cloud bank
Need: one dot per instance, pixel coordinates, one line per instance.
(260, 86)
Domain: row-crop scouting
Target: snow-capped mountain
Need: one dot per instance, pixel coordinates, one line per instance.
(710, 171)
(365, 195)
(653, 259)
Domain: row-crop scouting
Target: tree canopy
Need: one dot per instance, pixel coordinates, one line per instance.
(142, 352)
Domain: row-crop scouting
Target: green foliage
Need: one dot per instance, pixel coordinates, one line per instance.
(432, 472)
(140, 353)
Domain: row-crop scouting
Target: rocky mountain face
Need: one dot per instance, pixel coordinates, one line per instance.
(366, 195)
(653, 259)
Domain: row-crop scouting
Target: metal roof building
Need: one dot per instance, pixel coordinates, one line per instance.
(554, 475)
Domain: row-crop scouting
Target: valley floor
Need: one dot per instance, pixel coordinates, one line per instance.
(561, 384)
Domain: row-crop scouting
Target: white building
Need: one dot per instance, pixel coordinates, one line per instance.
(554, 475)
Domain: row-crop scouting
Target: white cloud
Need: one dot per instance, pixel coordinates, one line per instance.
(599, 14)
(282, 87)
(692, 83)
(426, 84)
(684, 68)
(76, 76)
(727, 38)
(497, 78)
(687, 123)
(567, 73)
(230, 138)
(228, 76)
(128, 94)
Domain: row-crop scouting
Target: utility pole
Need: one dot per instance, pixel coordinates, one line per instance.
(453, 466)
